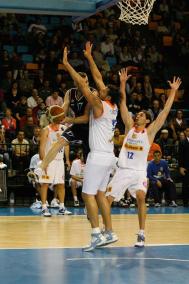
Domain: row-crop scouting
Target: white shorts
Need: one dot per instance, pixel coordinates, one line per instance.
(55, 173)
(78, 184)
(97, 172)
(127, 179)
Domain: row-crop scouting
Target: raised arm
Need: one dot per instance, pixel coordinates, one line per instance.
(126, 117)
(158, 123)
(66, 103)
(92, 99)
(93, 67)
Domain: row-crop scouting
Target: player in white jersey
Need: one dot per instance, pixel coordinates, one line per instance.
(100, 160)
(132, 171)
(77, 173)
(103, 112)
(54, 174)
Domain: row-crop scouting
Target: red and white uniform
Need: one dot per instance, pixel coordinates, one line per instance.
(132, 165)
(101, 158)
(55, 171)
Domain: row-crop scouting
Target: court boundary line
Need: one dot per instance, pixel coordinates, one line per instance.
(51, 248)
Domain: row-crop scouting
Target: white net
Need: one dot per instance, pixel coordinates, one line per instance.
(135, 11)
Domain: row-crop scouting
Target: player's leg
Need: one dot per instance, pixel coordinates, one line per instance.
(44, 189)
(141, 205)
(74, 185)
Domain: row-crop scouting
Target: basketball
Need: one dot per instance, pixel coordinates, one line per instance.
(55, 114)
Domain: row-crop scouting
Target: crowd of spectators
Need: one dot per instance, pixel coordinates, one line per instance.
(26, 92)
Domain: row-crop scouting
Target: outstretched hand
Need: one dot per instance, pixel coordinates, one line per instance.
(123, 76)
(175, 83)
(65, 56)
(88, 49)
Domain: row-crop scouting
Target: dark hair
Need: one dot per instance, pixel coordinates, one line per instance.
(113, 92)
(83, 74)
(148, 115)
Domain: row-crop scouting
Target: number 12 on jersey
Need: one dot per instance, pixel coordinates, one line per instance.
(130, 155)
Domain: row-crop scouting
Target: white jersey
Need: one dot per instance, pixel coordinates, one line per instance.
(101, 130)
(134, 152)
(34, 161)
(77, 168)
(52, 138)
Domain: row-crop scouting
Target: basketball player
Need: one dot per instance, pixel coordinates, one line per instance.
(54, 173)
(132, 162)
(75, 100)
(101, 159)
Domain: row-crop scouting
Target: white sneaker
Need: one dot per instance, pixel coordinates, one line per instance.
(111, 237)
(157, 204)
(36, 205)
(76, 203)
(54, 203)
(173, 204)
(97, 240)
(64, 211)
(45, 212)
(140, 241)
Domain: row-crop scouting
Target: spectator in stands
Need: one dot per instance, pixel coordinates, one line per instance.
(13, 96)
(155, 109)
(3, 148)
(29, 128)
(100, 59)
(166, 144)
(54, 99)
(57, 81)
(184, 167)
(154, 147)
(25, 84)
(39, 81)
(148, 89)
(23, 119)
(118, 141)
(21, 108)
(37, 28)
(178, 123)
(76, 60)
(51, 64)
(33, 99)
(77, 172)
(133, 104)
(160, 181)
(107, 47)
(3, 104)
(20, 151)
(34, 142)
(5, 63)
(45, 90)
(125, 55)
(9, 123)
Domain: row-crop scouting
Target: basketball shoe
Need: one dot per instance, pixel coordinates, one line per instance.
(97, 240)
(140, 241)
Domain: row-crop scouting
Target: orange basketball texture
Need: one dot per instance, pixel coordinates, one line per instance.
(55, 114)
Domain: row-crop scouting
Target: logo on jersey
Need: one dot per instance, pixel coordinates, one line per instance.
(133, 147)
(134, 136)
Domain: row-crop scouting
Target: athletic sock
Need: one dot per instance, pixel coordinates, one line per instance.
(96, 230)
(75, 198)
(141, 232)
(61, 205)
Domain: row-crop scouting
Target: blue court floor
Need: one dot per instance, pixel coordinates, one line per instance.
(161, 264)
(152, 265)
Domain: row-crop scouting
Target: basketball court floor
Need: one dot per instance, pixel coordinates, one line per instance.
(37, 250)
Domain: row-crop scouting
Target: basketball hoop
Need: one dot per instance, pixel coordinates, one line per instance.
(135, 11)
